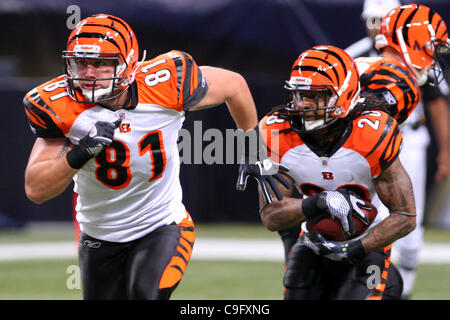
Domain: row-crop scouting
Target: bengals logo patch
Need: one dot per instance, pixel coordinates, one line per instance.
(125, 127)
(327, 175)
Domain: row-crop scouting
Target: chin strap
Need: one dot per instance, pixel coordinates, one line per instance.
(138, 64)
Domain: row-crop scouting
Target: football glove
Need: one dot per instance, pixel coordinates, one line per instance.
(100, 136)
(350, 252)
(262, 169)
(339, 204)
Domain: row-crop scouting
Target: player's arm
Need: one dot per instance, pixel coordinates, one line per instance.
(48, 173)
(290, 211)
(281, 214)
(395, 190)
(229, 87)
(439, 116)
(53, 161)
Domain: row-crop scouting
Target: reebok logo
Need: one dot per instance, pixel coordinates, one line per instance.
(92, 244)
(389, 97)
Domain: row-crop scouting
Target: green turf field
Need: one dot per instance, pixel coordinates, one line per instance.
(203, 280)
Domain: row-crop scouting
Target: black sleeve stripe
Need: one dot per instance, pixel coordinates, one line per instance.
(387, 128)
(386, 161)
(34, 95)
(382, 82)
(33, 117)
(384, 72)
(409, 93)
(187, 76)
(51, 130)
(199, 92)
(38, 113)
(399, 69)
(179, 69)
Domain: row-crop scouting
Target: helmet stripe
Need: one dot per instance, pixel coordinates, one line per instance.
(394, 34)
(407, 24)
(130, 32)
(109, 27)
(431, 15)
(328, 63)
(334, 54)
(94, 35)
(440, 34)
(313, 69)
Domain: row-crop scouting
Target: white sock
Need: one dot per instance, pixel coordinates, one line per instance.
(409, 277)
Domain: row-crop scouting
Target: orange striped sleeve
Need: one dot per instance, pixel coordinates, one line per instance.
(394, 83)
(172, 80)
(41, 116)
(193, 87)
(277, 137)
(376, 136)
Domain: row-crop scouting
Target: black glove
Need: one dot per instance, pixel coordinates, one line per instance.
(339, 204)
(258, 165)
(350, 252)
(100, 136)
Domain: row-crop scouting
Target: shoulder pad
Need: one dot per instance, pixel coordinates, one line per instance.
(277, 136)
(393, 82)
(172, 80)
(377, 137)
(50, 110)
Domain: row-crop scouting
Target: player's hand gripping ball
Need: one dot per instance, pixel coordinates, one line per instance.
(364, 213)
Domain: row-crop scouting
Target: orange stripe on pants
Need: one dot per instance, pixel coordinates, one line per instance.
(175, 269)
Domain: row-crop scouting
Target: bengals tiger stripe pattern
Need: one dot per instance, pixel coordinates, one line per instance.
(394, 83)
(175, 269)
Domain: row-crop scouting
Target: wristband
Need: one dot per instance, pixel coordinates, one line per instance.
(253, 145)
(77, 157)
(309, 207)
(355, 251)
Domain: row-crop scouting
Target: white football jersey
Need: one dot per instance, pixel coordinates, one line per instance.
(132, 187)
(368, 146)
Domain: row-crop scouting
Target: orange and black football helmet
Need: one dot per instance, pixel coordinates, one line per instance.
(419, 34)
(106, 37)
(326, 73)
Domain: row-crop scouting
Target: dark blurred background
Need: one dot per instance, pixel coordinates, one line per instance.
(260, 39)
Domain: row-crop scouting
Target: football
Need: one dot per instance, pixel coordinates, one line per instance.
(331, 228)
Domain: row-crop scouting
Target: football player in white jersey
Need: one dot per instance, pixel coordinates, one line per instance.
(111, 124)
(339, 148)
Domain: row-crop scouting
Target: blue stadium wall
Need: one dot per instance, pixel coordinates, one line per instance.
(257, 38)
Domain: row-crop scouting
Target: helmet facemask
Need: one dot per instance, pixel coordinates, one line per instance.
(100, 37)
(323, 87)
(118, 80)
(436, 49)
(311, 108)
